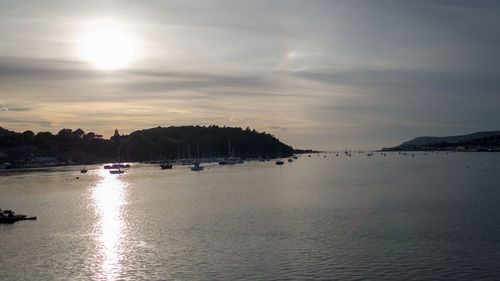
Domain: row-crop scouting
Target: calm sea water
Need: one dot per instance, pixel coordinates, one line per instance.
(428, 217)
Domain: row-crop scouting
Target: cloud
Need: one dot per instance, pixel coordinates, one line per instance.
(3, 107)
(20, 109)
(12, 108)
(277, 128)
(401, 99)
(405, 82)
(28, 122)
(19, 68)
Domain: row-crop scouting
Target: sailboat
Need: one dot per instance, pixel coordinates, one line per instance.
(230, 160)
(119, 171)
(118, 165)
(165, 166)
(197, 166)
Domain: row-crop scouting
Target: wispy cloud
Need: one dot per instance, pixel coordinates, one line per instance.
(3, 107)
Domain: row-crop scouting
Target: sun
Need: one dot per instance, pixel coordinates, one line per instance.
(108, 47)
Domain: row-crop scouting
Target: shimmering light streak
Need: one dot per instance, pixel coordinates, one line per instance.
(108, 196)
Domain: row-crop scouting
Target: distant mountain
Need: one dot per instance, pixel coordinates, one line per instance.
(480, 141)
(450, 139)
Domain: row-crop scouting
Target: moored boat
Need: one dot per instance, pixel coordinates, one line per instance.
(116, 166)
(165, 166)
(197, 167)
(119, 171)
(231, 161)
(8, 216)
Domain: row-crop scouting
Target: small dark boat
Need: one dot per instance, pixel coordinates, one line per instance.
(197, 167)
(8, 216)
(119, 171)
(279, 162)
(165, 166)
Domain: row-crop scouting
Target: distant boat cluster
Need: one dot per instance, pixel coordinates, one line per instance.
(196, 164)
(118, 168)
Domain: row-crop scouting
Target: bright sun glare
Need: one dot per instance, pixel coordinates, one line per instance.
(107, 47)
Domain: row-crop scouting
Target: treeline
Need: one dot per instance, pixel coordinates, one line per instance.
(160, 143)
(486, 143)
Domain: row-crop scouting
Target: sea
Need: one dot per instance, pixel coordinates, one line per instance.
(419, 216)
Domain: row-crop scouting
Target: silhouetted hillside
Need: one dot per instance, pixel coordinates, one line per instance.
(199, 141)
(158, 143)
(480, 141)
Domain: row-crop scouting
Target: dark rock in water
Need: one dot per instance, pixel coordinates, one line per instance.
(8, 216)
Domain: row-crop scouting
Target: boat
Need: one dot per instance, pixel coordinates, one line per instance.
(165, 166)
(5, 166)
(290, 160)
(197, 167)
(279, 162)
(231, 161)
(84, 170)
(116, 166)
(119, 171)
(185, 162)
(8, 216)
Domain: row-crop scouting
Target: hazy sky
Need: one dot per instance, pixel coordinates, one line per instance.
(316, 74)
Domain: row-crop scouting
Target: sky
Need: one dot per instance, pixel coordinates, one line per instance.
(315, 74)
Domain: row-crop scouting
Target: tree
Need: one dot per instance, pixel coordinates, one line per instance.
(78, 133)
(28, 137)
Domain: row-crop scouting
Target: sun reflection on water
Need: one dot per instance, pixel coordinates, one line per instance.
(109, 198)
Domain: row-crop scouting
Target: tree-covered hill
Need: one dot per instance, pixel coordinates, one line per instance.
(480, 141)
(199, 141)
(158, 143)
